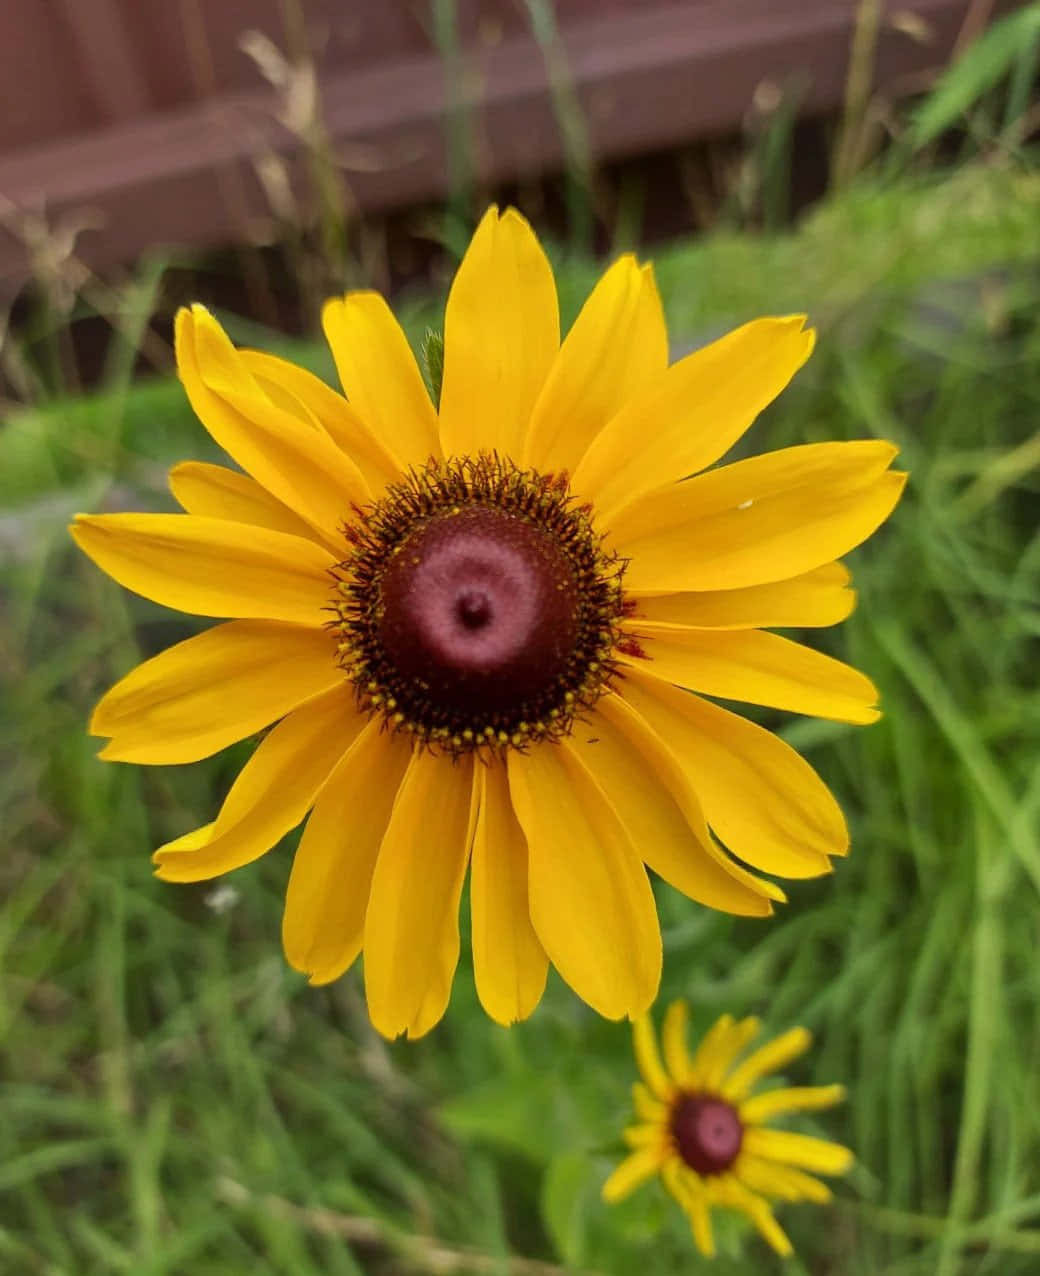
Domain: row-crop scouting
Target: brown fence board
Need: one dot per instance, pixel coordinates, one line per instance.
(648, 75)
(111, 71)
(41, 94)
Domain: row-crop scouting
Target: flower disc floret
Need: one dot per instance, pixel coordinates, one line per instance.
(477, 607)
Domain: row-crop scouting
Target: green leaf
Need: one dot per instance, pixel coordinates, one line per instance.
(979, 69)
(531, 1115)
(565, 1198)
(433, 363)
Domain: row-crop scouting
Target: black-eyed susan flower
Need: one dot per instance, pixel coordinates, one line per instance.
(477, 626)
(702, 1128)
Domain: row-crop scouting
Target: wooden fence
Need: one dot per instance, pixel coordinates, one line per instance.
(147, 121)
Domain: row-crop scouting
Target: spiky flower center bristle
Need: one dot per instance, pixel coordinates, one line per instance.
(477, 607)
(707, 1132)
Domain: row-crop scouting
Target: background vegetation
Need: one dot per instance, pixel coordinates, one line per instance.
(173, 1098)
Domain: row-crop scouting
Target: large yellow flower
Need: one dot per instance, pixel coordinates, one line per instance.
(702, 1130)
(472, 627)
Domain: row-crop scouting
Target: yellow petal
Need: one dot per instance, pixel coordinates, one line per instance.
(380, 377)
(764, 800)
(412, 922)
(673, 1041)
(726, 1039)
(273, 792)
(275, 378)
(633, 1171)
(700, 1223)
(296, 463)
(647, 1107)
(687, 418)
(210, 567)
(780, 1181)
(768, 1058)
(641, 1136)
(591, 902)
(617, 345)
(772, 1232)
(761, 1107)
(708, 1043)
(733, 1193)
(660, 812)
(438, 992)
(648, 1058)
(434, 1002)
(301, 391)
(800, 1150)
(501, 335)
(214, 491)
(820, 597)
(211, 690)
(765, 519)
(509, 963)
(689, 1190)
(757, 667)
(324, 920)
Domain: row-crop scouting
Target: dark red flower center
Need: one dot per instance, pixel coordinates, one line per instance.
(477, 607)
(482, 607)
(707, 1131)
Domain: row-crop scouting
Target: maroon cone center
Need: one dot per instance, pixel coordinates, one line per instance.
(707, 1132)
(480, 608)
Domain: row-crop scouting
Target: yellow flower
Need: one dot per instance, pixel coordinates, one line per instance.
(702, 1130)
(471, 626)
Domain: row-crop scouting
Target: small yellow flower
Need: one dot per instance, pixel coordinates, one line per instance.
(702, 1130)
(476, 626)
